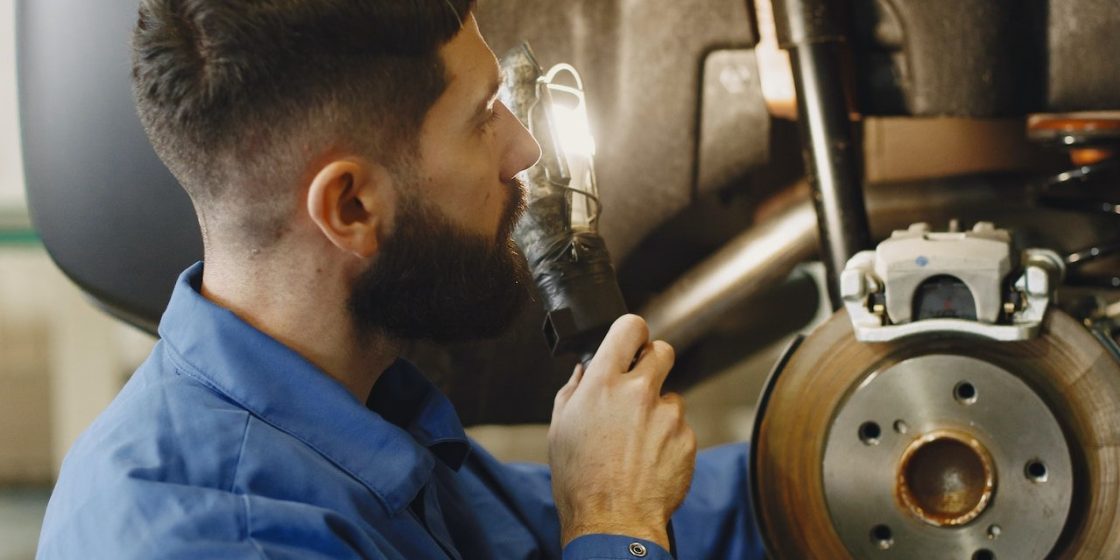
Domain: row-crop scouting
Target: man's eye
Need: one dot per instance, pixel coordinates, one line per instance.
(491, 117)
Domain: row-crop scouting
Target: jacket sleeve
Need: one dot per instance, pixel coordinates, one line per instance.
(613, 547)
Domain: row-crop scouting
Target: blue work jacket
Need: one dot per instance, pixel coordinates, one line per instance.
(227, 444)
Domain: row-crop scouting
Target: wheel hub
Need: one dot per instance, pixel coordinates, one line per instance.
(954, 438)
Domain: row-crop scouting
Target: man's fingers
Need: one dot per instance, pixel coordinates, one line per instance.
(656, 362)
(565, 393)
(676, 402)
(627, 335)
(673, 398)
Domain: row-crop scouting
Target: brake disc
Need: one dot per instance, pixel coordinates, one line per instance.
(941, 446)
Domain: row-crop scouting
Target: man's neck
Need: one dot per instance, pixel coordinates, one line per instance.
(303, 308)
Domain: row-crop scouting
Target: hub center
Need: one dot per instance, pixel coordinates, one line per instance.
(945, 478)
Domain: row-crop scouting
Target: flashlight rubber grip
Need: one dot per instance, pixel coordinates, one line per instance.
(581, 295)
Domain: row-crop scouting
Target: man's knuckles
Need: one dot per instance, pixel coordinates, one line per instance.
(673, 412)
(656, 361)
(664, 352)
(626, 337)
(631, 327)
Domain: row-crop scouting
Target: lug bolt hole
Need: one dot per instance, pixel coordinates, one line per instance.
(965, 393)
(869, 433)
(1036, 471)
(983, 554)
(881, 537)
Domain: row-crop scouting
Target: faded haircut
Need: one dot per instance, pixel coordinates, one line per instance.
(238, 95)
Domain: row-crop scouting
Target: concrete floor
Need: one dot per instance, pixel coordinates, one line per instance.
(21, 517)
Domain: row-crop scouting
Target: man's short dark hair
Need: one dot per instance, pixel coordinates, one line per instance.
(237, 95)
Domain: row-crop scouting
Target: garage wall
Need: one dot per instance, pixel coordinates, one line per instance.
(11, 171)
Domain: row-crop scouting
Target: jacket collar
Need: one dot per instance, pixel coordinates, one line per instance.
(390, 446)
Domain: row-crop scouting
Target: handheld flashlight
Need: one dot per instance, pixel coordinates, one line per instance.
(559, 231)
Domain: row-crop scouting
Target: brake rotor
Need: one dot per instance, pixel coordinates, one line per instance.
(941, 446)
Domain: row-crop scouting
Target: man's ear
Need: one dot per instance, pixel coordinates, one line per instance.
(351, 201)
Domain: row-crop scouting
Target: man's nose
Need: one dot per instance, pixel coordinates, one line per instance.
(523, 151)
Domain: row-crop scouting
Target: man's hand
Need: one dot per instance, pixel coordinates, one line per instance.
(622, 454)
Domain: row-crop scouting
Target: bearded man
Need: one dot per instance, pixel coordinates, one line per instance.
(353, 174)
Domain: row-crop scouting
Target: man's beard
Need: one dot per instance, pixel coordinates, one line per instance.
(433, 280)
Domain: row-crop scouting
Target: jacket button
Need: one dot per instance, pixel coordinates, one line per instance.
(638, 549)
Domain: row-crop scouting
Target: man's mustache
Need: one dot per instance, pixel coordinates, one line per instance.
(515, 208)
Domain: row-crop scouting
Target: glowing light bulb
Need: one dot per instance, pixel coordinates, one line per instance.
(563, 98)
(573, 130)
